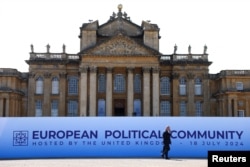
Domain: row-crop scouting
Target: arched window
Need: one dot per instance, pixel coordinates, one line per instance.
(73, 85)
(119, 83)
(39, 85)
(137, 83)
(165, 108)
(55, 85)
(101, 83)
(165, 86)
(183, 86)
(197, 86)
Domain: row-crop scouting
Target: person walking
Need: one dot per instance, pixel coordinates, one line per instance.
(166, 142)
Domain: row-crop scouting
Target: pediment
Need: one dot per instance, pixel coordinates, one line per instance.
(121, 45)
(119, 25)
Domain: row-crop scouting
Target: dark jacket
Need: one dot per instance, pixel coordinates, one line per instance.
(166, 138)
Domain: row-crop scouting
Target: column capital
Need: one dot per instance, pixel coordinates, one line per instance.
(47, 74)
(63, 74)
(190, 75)
(156, 69)
(146, 69)
(175, 75)
(130, 69)
(83, 69)
(109, 69)
(93, 69)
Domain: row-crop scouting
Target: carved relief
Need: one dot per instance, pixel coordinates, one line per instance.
(175, 75)
(121, 45)
(190, 75)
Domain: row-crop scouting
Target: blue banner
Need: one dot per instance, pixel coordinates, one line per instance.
(110, 137)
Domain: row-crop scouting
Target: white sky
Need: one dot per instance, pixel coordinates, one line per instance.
(223, 25)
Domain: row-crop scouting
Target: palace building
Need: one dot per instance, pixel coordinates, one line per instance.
(119, 71)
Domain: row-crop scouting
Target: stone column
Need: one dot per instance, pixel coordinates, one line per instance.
(83, 91)
(46, 93)
(156, 92)
(109, 91)
(62, 97)
(236, 107)
(229, 107)
(130, 92)
(92, 92)
(190, 95)
(7, 107)
(1, 107)
(31, 93)
(146, 91)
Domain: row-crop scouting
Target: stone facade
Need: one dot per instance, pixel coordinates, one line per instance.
(119, 71)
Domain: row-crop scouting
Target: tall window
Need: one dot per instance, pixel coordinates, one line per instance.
(137, 107)
(197, 86)
(241, 113)
(101, 108)
(239, 86)
(119, 83)
(55, 85)
(38, 110)
(137, 83)
(72, 108)
(73, 85)
(101, 83)
(198, 108)
(165, 86)
(54, 108)
(183, 108)
(39, 85)
(183, 86)
(165, 108)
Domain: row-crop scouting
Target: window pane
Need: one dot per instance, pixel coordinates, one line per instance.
(55, 85)
(137, 83)
(197, 87)
(54, 108)
(198, 108)
(137, 107)
(182, 86)
(165, 86)
(101, 107)
(72, 108)
(119, 84)
(241, 113)
(165, 108)
(39, 86)
(239, 86)
(73, 86)
(38, 112)
(183, 108)
(101, 83)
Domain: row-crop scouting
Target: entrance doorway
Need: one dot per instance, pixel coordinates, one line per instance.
(119, 107)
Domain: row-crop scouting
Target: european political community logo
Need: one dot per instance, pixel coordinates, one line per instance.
(20, 138)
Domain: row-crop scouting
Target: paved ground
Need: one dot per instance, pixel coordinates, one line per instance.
(104, 163)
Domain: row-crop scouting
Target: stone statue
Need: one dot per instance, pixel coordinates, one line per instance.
(64, 48)
(32, 48)
(189, 49)
(175, 48)
(48, 47)
(205, 49)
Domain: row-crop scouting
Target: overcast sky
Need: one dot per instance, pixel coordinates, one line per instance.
(223, 25)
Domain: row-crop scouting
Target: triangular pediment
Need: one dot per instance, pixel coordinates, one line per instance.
(120, 45)
(111, 28)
